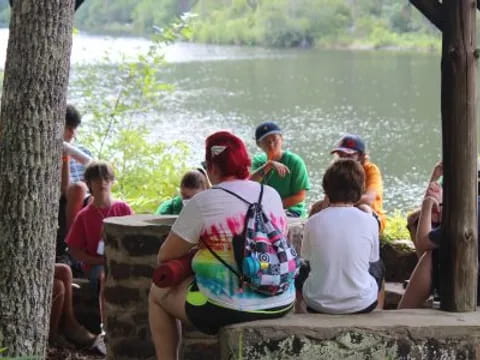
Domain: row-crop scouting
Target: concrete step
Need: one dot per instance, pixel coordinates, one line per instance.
(395, 334)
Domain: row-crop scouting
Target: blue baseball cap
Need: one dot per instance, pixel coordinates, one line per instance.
(265, 129)
(350, 144)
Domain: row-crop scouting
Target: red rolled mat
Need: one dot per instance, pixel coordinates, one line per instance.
(173, 272)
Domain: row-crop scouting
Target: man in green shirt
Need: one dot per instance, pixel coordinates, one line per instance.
(283, 170)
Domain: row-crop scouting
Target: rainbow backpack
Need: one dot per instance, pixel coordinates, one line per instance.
(266, 262)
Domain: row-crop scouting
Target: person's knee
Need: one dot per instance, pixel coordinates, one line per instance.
(63, 272)
(77, 191)
(58, 291)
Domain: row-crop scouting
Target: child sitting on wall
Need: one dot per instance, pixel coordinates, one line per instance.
(342, 246)
(85, 238)
(192, 183)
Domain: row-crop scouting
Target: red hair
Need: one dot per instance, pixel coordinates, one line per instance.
(233, 160)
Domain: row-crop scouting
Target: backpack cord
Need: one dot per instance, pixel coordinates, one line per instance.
(241, 277)
(240, 274)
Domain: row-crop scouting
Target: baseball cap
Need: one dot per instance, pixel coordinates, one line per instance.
(350, 144)
(265, 129)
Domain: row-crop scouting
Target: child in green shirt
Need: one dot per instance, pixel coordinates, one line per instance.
(192, 182)
(283, 170)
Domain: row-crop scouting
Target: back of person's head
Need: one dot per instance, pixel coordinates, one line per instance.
(344, 181)
(228, 153)
(99, 170)
(194, 179)
(72, 117)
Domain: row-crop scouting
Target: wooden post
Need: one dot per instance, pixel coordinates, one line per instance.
(458, 253)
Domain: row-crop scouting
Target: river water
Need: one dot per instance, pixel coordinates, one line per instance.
(392, 99)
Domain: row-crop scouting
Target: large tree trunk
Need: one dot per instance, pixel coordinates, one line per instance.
(31, 131)
(458, 253)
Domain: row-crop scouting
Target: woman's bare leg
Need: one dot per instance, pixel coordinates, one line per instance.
(420, 284)
(58, 296)
(166, 305)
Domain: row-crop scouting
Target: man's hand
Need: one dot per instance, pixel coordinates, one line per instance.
(280, 168)
(434, 191)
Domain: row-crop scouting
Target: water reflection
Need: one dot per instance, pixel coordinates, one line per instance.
(391, 99)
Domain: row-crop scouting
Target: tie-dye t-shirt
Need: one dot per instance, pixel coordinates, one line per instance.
(216, 216)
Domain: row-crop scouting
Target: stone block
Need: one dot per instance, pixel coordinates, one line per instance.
(399, 258)
(400, 334)
(121, 295)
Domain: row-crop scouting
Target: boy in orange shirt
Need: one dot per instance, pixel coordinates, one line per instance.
(353, 147)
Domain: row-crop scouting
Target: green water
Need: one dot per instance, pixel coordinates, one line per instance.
(391, 99)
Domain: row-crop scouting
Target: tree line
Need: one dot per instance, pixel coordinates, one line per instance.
(272, 23)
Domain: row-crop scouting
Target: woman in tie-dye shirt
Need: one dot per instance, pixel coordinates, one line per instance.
(213, 297)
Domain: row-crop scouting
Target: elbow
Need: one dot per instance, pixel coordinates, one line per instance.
(160, 258)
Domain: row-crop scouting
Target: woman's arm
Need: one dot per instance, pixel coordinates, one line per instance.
(423, 241)
(173, 247)
(294, 199)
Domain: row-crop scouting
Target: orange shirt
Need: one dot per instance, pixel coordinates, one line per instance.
(373, 181)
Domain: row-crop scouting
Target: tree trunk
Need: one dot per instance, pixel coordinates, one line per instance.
(32, 118)
(458, 254)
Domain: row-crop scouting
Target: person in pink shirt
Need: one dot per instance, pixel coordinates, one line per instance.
(85, 237)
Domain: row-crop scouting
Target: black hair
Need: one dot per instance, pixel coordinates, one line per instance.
(72, 117)
(194, 179)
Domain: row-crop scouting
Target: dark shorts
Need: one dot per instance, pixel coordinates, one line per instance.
(376, 269)
(368, 309)
(209, 317)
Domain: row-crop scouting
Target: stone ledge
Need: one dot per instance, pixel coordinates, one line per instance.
(400, 334)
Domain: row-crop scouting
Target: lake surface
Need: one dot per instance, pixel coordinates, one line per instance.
(391, 99)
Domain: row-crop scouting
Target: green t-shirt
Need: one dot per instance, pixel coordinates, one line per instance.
(292, 182)
(170, 207)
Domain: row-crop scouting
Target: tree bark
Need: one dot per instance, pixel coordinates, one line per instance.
(458, 253)
(32, 118)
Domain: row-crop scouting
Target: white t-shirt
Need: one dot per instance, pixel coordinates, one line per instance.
(216, 216)
(340, 242)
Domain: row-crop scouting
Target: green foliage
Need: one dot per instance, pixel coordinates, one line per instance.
(147, 172)
(292, 23)
(396, 228)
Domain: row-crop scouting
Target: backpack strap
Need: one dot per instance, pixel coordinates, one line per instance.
(232, 193)
(261, 194)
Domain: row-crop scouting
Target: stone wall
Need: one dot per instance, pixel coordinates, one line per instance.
(131, 247)
(400, 334)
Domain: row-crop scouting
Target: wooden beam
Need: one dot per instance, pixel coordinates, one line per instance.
(458, 250)
(432, 10)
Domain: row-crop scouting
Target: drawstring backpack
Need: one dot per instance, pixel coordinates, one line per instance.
(265, 261)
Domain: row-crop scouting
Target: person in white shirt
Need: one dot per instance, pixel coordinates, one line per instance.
(341, 244)
(211, 220)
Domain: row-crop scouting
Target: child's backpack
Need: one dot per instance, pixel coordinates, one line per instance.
(265, 260)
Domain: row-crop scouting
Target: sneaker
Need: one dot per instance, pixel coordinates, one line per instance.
(99, 344)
